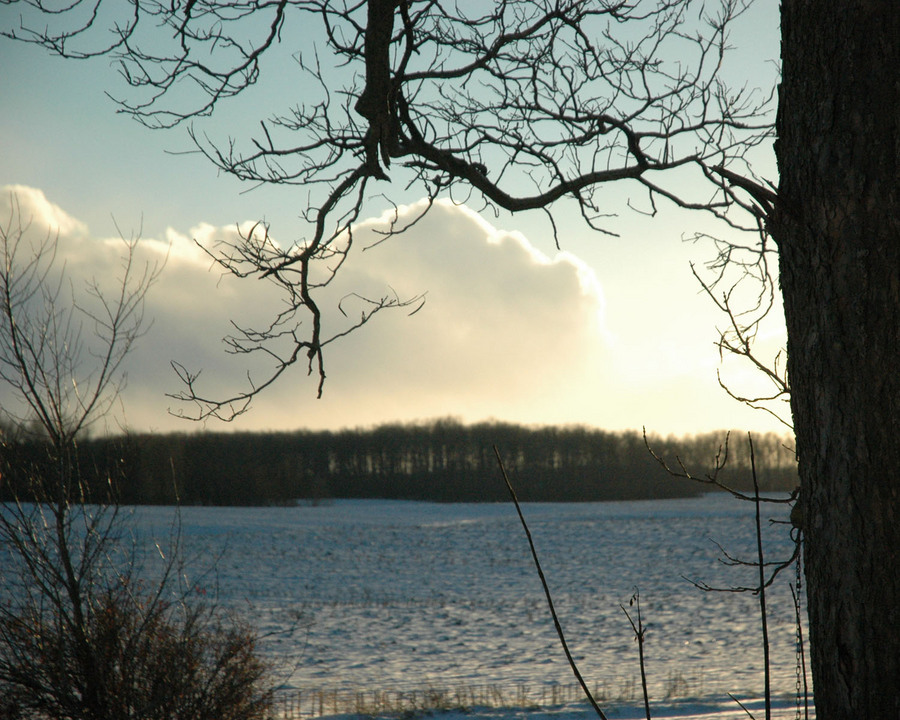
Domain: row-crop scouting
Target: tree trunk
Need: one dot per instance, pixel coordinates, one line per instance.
(838, 231)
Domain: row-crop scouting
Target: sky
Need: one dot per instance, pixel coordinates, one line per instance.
(610, 332)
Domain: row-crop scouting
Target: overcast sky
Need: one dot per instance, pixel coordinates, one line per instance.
(611, 331)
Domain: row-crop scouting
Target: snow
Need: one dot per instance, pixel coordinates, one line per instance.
(357, 597)
(684, 709)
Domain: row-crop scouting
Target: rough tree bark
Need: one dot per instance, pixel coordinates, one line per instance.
(838, 229)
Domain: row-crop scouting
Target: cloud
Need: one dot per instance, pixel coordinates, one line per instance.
(504, 327)
(37, 210)
(505, 330)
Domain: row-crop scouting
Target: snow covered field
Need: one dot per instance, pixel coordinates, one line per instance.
(360, 597)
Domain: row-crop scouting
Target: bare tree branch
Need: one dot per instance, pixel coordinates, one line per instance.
(517, 104)
(62, 357)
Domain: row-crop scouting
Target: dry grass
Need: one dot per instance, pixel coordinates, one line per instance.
(302, 704)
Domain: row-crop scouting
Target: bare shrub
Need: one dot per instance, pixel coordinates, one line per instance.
(85, 631)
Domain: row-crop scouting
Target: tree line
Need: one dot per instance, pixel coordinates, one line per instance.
(441, 460)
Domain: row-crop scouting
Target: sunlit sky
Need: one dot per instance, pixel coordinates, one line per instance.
(612, 332)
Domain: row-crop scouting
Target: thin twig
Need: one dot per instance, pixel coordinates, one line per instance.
(743, 707)
(639, 631)
(537, 562)
(762, 583)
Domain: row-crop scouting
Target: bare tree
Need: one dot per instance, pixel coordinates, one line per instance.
(524, 103)
(61, 356)
(83, 634)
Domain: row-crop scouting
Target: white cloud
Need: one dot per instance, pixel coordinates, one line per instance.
(504, 328)
(506, 332)
(40, 212)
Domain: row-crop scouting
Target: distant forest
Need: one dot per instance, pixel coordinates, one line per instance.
(441, 460)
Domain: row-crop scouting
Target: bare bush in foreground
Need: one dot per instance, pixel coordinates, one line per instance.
(84, 631)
